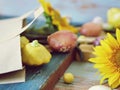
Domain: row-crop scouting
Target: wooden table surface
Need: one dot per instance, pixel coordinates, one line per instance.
(85, 77)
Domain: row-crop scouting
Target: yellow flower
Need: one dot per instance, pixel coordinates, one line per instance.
(61, 22)
(107, 59)
(57, 19)
(67, 27)
(47, 6)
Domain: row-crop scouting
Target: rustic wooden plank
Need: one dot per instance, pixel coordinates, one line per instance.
(85, 77)
(49, 85)
(41, 77)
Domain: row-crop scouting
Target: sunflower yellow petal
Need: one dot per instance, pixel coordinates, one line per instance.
(98, 60)
(106, 76)
(42, 2)
(106, 47)
(118, 35)
(107, 70)
(47, 6)
(112, 41)
(102, 80)
(99, 65)
(104, 69)
(115, 84)
(113, 78)
(99, 51)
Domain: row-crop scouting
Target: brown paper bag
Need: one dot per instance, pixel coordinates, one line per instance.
(10, 51)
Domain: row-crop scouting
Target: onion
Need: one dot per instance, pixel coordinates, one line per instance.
(99, 87)
(97, 40)
(98, 20)
(62, 41)
(91, 29)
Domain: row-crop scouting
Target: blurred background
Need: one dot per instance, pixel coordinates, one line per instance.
(79, 11)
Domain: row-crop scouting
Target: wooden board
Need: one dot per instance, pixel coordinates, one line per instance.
(85, 76)
(43, 77)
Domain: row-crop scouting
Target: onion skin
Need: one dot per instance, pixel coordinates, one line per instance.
(97, 40)
(91, 29)
(99, 87)
(62, 41)
(98, 20)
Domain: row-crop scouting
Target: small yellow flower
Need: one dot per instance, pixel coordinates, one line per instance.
(61, 22)
(107, 59)
(67, 27)
(57, 19)
(47, 6)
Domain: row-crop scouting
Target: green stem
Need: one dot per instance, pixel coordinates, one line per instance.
(35, 43)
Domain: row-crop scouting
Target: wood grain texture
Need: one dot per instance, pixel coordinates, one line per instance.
(85, 77)
(49, 85)
(80, 83)
(43, 77)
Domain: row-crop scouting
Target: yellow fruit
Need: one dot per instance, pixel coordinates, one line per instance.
(35, 54)
(68, 77)
(113, 16)
(23, 41)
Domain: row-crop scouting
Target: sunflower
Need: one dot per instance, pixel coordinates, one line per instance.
(57, 20)
(56, 17)
(62, 23)
(47, 6)
(107, 59)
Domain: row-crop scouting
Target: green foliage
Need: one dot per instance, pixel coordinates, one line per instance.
(52, 28)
